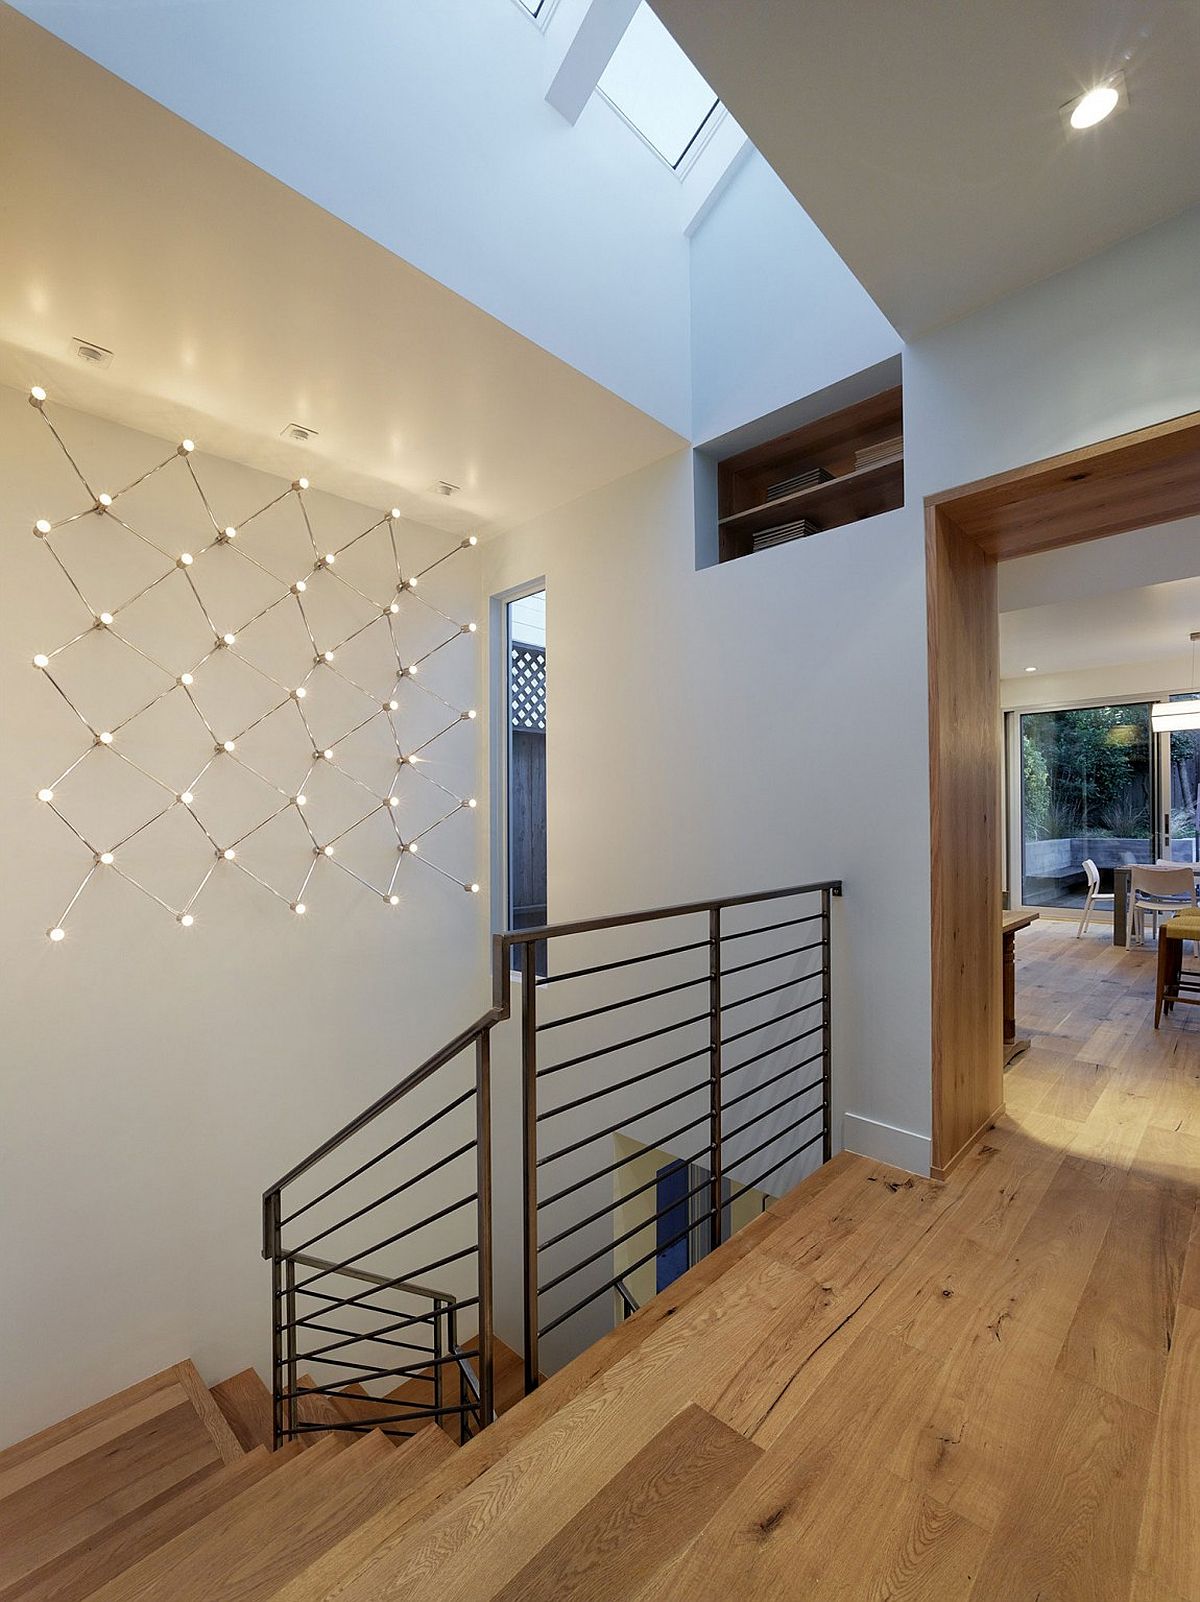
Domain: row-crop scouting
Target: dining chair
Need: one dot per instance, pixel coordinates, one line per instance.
(1159, 891)
(1094, 894)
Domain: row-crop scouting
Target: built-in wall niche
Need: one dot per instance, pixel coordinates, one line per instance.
(831, 469)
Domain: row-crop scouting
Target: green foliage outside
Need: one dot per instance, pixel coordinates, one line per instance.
(1086, 772)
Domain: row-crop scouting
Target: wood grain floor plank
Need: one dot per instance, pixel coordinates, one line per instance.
(1169, 1550)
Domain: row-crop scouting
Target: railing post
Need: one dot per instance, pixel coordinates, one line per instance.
(714, 1072)
(529, 1146)
(271, 1233)
(439, 1384)
(289, 1280)
(483, 1188)
(826, 1034)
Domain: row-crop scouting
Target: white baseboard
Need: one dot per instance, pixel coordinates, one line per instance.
(887, 1144)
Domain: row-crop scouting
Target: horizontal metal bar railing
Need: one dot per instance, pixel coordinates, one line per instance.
(412, 1315)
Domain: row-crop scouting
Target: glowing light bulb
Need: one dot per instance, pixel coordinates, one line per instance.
(393, 800)
(187, 446)
(229, 853)
(105, 738)
(37, 394)
(394, 513)
(105, 619)
(470, 628)
(299, 587)
(410, 672)
(186, 797)
(41, 660)
(392, 706)
(1094, 106)
(393, 901)
(103, 500)
(473, 539)
(327, 755)
(327, 850)
(472, 802)
(230, 533)
(301, 800)
(394, 607)
(299, 908)
(56, 934)
(299, 483)
(328, 559)
(300, 692)
(106, 858)
(474, 889)
(186, 919)
(472, 714)
(46, 795)
(228, 639)
(228, 747)
(186, 559)
(42, 527)
(412, 583)
(412, 846)
(326, 656)
(185, 679)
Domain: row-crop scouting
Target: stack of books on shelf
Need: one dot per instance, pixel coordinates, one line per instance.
(798, 530)
(800, 481)
(885, 450)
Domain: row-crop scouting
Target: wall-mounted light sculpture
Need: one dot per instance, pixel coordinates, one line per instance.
(377, 702)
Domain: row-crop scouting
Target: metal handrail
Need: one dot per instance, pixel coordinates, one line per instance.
(445, 1307)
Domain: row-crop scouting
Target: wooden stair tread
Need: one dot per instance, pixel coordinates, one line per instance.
(85, 1567)
(262, 1501)
(410, 1470)
(272, 1537)
(113, 1461)
(245, 1403)
(321, 1410)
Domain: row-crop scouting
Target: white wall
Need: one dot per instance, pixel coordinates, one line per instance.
(713, 731)
(155, 1080)
(776, 313)
(425, 126)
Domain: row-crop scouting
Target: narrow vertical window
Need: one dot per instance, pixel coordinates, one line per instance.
(526, 765)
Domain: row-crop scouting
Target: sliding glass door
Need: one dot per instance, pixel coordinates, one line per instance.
(1088, 790)
(1181, 782)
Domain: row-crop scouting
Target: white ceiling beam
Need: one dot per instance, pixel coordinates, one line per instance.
(598, 35)
(710, 178)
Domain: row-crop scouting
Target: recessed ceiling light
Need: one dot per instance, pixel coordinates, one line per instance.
(1031, 670)
(1093, 106)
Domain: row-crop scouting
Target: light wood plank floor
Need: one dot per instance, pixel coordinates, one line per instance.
(987, 1390)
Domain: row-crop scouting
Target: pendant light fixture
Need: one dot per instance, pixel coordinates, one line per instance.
(1174, 717)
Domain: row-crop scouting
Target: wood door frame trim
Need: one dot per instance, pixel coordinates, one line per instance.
(962, 793)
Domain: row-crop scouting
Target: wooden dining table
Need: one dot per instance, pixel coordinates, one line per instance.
(1010, 922)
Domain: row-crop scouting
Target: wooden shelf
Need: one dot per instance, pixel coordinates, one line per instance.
(844, 499)
(832, 443)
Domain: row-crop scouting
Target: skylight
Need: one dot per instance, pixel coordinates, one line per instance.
(656, 89)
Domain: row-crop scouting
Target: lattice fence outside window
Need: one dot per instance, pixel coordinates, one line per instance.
(527, 693)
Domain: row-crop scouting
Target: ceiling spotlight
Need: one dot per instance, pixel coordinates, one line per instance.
(37, 394)
(105, 738)
(41, 660)
(410, 672)
(299, 908)
(104, 619)
(106, 858)
(394, 513)
(471, 539)
(393, 800)
(56, 934)
(328, 559)
(301, 800)
(412, 846)
(326, 656)
(300, 693)
(46, 795)
(391, 706)
(472, 714)
(186, 919)
(299, 587)
(103, 499)
(42, 527)
(328, 850)
(229, 853)
(228, 747)
(186, 447)
(185, 679)
(469, 628)
(228, 639)
(473, 889)
(186, 797)
(393, 901)
(186, 559)
(299, 483)
(394, 607)
(327, 756)
(1086, 110)
(229, 534)
(472, 802)
(1031, 670)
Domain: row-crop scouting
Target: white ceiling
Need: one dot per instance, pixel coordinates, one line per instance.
(234, 307)
(1149, 624)
(924, 139)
